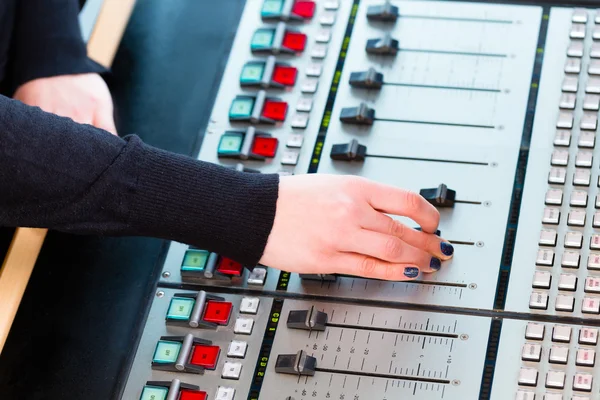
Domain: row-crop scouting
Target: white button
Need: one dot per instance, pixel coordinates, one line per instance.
(595, 242)
(548, 237)
(590, 305)
(596, 220)
(593, 85)
(534, 331)
(528, 377)
(564, 303)
(594, 67)
(596, 33)
(561, 333)
(589, 121)
(555, 379)
(591, 102)
(576, 218)
(289, 158)
(592, 284)
(538, 301)
(579, 198)
(531, 352)
(328, 19)
(570, 259)
(562, 137)
(598, 196)
(553, 396)
(570, 84)
(551, 216)
(294, 140)
(597, 17)
(574, 240)
(580, 398)
(560, 157)
(225, 393)
(594, 261)
(525, 395)
(257, 276)
(309, 85)
(595, 50)
(331, 4)
(231, 370)
(584, 158)
(557, 175)
(582, 177)
(237, 349)
(545, 257)
(304, 104)
(319, 51)
(588, 336)
(243, 326)
(586, 357)
(554, 197)
(299, 121)
(542, 279)
(313, 70)
(567, 101)
(586, 139)
(579, 15)
(575, 49)
(583, 382)
(567, 282)
(573, 66)
(249, 305)
(323, 35)
(577, 31)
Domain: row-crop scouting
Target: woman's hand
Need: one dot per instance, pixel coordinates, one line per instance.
(84, 98)
(336, 224)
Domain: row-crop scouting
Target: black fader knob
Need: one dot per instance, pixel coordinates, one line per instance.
(296, 364)
(440, 196)
(352, 151)
(370, 79)
(361, 115)
(383, 46)
(385, 12)
(308, 320)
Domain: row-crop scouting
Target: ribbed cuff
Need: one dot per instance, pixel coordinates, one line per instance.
(203, 204)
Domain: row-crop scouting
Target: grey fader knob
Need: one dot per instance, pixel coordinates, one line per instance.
(352, 151)
(383, 46)
(370, 79)
(296, 364)
(440, 196)
(310, 320)
(383, 12)
(361, 115)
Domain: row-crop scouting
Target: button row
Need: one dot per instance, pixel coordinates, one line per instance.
(562, 138)
(575, 218)
(561, 333)
(555, 197)
(564, 303)
(556, 379)
(583, 158)
(558, 176)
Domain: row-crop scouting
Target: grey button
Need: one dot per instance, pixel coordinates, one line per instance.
(560, 158)
(584, 158)
(331, 4)
(304, 104)
(294, 141)
(593, 261)
(580, 15)
(257, 276)
(535, 331)
(237, 349)
(558, 175)
(545, 257)
(562, 137)
(231, 370)
(525, 395)
(225, 393)
(538, 301)
(531, 352)
(588, 336)
(314, 70)
(592, 284)
(595, 242)
(576, 218)
(590, 305)
(567, 101)
(323, 35)
(577, 31)
(596, 33)
(591, 102)
(542, 280)
(586, 139)
(596, 220)
(249, 305)
(565, 119)
(583, 381)
(567, 282)
(574, 240)
(573, 65)
(582, 177)
(559, 355)
(593, 85)
(548, 237)
(309, 85)
(597, 17)
(595, 50)
(243, 326)
(528, 377)
(594, 67)
(553, 396)
(319, 51)
(555, 379)
(299, 121)
(561, 333)
(570, 84)
(575, 49)
(598, 196)
(564, 303)
(580, 398)
(328, 18)
(554, 197)
(579, 198)
(551, 216)
(589, 121)
(289, 158)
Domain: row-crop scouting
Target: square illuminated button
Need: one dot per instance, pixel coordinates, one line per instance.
(271, 8)
(230, 143)
(180, 308)
(294, 41)
(166, 352)
(285, 75)
(262, 39)
(231, 370)
(205, 356)
(243, 326)
(275, 110)
(154, 393)
(265, 146)
(192, 395)
(194, 260)
(229, 267)
(217, 312)
(237, 349)
(304, 9)
(241, 108)
(252, 73)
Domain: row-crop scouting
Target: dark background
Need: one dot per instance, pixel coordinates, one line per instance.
(85, 305)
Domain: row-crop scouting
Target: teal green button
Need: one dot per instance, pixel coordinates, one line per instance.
(180, 308)
(262, 39)
(252, 73)
(194, 260)
(166, 352)
(154, 393)
(231, 143)
(241, 107)
(271, 8)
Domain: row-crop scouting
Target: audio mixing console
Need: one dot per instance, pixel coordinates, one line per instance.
(490, 111)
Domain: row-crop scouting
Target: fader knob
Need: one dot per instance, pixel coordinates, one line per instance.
(385, 12)
(440, 196)
(383, 46)
(309, 320)
(370, 79)
(352, 151)
(361, 115)
(296, 364)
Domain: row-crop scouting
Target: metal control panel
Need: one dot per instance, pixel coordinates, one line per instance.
(488, 110)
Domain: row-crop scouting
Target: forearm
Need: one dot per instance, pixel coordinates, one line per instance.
(75, 178)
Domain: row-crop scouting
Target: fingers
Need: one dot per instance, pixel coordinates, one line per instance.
(104, 120)
(391, 200)
(372, 268)
(378, 222)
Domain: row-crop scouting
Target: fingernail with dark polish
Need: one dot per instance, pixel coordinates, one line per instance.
(435, 264)
(411, 272)
(447, 249)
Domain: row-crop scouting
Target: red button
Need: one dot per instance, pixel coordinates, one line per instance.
(192, 395)
(266, 147)
(294, 41)
(217, 312)
(275, 110)
(304, 9)
(285, 75)
(227, 266)
(205, 356)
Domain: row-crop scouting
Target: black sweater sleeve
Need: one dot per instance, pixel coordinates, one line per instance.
(47, 41)
(75, 178)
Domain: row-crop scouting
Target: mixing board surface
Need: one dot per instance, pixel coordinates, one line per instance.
(489, 111)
